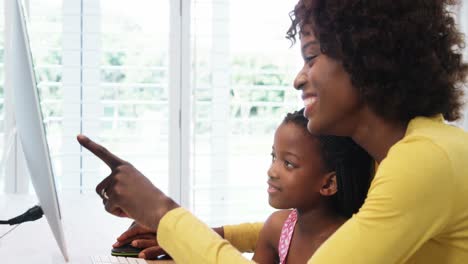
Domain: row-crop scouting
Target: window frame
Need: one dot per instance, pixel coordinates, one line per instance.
(17, 178)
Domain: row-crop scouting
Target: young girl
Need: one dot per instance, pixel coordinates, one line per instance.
(324, 178)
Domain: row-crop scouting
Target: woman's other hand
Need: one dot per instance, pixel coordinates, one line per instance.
(141, 237)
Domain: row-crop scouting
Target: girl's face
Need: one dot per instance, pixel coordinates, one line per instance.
(332, 104)
(296, 172)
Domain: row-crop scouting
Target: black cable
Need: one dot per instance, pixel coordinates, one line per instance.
(31, 215)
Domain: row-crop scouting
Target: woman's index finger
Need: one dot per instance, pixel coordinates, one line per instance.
(101, 152)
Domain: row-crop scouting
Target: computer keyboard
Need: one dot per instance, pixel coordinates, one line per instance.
(116, 260)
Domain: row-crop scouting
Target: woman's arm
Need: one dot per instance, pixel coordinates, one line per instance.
(126, 192)
(206, 246)
(244, 237)
(188, 240)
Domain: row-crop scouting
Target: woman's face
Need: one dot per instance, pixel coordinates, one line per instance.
(332, 104)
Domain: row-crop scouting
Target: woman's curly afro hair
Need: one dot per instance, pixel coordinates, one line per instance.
(403, 56)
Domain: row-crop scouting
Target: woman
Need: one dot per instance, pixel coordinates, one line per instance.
(386, 73)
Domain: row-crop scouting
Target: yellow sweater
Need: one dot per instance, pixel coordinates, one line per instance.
(416, 210)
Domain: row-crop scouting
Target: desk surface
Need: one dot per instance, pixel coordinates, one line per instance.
(89, 231)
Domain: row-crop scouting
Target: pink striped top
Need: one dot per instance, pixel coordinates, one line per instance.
(286, 236)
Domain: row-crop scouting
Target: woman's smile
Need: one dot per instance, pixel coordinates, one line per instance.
(309, 104)
(310, 100)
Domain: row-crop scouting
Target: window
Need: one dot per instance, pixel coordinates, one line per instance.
(2, 81)
(242, 71)
(45, 33)
(102, 70)
(127, 47)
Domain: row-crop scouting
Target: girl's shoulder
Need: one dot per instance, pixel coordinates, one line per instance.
(276, 220)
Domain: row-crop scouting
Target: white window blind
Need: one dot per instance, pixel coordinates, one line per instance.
(242, 88)
(45, 33)
(103, 70)
(2, 82)
(134, 84)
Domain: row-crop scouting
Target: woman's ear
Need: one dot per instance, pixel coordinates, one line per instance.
(329, 184)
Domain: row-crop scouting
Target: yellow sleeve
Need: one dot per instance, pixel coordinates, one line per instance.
(409, 202)
(188, 240)
(244, 237)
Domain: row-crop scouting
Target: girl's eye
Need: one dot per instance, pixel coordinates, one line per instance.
(288, 164)
(273, 157)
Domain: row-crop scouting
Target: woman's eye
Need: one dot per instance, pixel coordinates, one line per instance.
(273, 157)
(309, 59)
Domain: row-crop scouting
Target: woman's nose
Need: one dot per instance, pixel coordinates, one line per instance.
(300, 80)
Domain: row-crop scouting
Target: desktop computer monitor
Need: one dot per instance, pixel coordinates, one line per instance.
(30, 127)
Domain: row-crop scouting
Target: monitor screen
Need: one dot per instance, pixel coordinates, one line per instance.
(30, 127)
